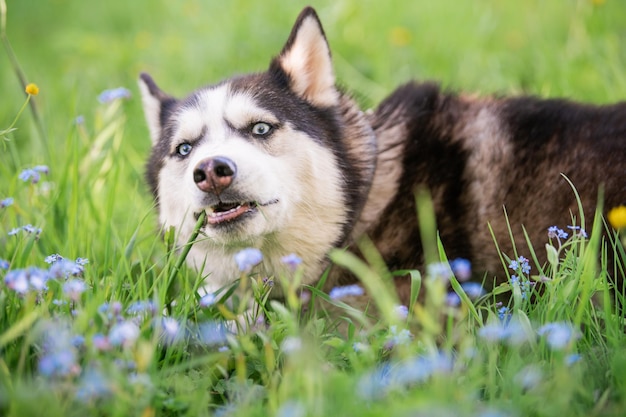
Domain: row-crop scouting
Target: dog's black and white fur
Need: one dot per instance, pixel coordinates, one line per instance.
(286, 162)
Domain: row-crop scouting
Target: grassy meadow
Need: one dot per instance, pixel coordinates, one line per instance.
(99, 316)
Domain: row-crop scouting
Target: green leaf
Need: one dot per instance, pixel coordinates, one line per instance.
(19, 328)
(553, 257)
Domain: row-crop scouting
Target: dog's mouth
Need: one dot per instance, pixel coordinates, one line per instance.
(230, 212)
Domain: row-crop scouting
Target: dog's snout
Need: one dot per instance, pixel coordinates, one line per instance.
(214, 174)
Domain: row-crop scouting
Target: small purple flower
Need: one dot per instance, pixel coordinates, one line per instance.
(78, 341)
(4, 264)
(555, 232)
(439, 270)
(529, 377)
(376, 383)
(113, 309)
(346, 291)
(171, 330)
(38, 278)
(107, 96)
(73, 288)
(207, 300)
(64, 268)
(511, 332)
(291, 345)
(141, 307)
(82, 261)
(170, 326)
(30, 175)
(50, 259)
(210, 333)
(397, 337)
(80, 119)
(462, 269)
(14, 231)
(305, 296)
(453, 299)
(493, 332)
(43, 169)
(33, 174)
(58, 364)
(29, 228)
(559, 335)
(101, 342)
(402, 312)
(578, 231)
(503, 313)
(248, 258)
(419, 369)
(523, 262)
(116, 308)
(520, 264)
(524, 285)
(125, 365)
(527, 288)
(360, 347)
(292, 408)
(141, 381)
(6, 202)
(292, 261)
(17, 280)
(474, 290)
(93, 385)
(571, 359)
(59, 355)
(124, 334)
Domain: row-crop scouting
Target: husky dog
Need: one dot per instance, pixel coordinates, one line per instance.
(286, 162)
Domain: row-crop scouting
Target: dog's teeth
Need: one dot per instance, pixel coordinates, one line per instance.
(215, 211)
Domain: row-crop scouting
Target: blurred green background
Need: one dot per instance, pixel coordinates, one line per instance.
(74, 49)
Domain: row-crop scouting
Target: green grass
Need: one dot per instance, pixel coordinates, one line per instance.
(94, 204)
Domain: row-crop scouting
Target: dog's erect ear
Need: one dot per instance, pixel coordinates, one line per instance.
(306, 61)
(155, 104)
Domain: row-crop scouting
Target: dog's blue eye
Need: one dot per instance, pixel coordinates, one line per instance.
(184, 149)
(261, 129)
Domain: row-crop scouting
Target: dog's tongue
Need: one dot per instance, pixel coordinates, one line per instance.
(225, 212)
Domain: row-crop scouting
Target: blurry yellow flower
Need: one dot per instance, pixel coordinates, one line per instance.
(148, 412)
(617, 217)
(32, 89)
(399, 36)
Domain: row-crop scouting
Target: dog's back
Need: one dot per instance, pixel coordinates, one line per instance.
(481, 156)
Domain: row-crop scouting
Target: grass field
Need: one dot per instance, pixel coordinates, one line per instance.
(96, 332)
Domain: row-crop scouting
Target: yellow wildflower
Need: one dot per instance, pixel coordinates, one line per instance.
(617, 217)
(399, 36)
(148, 412)
(32, 89)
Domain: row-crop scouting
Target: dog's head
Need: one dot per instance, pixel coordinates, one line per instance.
(264, 155)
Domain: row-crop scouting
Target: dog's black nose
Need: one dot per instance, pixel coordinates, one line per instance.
(214, 175)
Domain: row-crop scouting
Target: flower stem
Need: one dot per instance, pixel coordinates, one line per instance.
(21, 76)
(19, 113)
